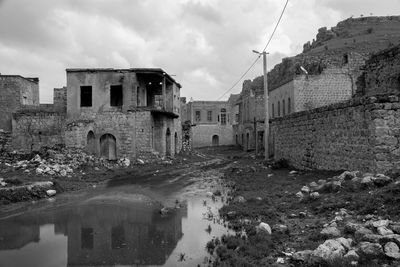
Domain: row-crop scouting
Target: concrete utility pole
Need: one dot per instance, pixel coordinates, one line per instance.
(266, 123)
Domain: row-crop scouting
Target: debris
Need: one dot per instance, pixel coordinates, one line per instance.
(263, 227)
(51, 192)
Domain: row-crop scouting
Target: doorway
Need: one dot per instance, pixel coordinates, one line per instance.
(108, 147)
(168, 143)
(215, 140)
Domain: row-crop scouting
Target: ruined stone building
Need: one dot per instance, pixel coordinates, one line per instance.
(123, 112)
(211, 122)
(111, 113)
(325, 73)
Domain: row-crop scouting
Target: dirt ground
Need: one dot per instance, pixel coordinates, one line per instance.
(258, 193)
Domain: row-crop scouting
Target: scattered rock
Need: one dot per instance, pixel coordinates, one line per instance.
(305, 190)
(293, 172)
(281, 228)
(392, 250)
(314, 195)
(351, 227)
(380, 223)
(329, 250)
(263, 227)
(346, 242)
(300, 195)
(280, 260)
(361, 232)
(331, 231)
(395, 228)
(140, 161)
(303, 256)
(367, 181)
(51, 192)
(381, 180)
(352, 255)
(384, 231)
(239, 199)
(371, 249)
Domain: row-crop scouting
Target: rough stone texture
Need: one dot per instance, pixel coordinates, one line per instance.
(34, 129)
(60, 99)
(16, 91)
(359, 134)
(381, 73)
(5, 141)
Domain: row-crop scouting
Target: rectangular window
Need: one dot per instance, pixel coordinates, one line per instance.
(273, 111)
(116, 95)
(283, 107)
(86, 96)
(279, 108)
(237, 117)
(198, 115)
(86, 238)
(288, 106)
(209, 115)
(223, 118)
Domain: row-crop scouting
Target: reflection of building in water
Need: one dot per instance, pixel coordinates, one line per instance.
(129, 234)
(16, 234)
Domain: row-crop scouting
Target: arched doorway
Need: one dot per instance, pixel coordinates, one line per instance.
(168, 143)
(108, 147)
(176, 143)
(90, 143)
(215, 140)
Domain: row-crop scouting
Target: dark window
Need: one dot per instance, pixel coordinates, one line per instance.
(87, 238)
(273, 111)
(345, 58)
(86, 96)
(279, 108)
(198, 115)
(237, 117)
(209, 115)
(223, 116)
(116, 95)
(289, 108)
(283, 107)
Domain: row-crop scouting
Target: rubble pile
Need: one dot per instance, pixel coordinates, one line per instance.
(354, 179)
(63, 162)
(352, 237)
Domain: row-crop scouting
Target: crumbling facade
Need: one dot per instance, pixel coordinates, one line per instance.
(123, 113)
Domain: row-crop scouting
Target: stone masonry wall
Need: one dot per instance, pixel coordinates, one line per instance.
(359, 134)
(202, 135)
(5, 141)
(32, 130)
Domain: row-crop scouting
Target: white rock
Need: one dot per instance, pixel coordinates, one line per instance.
(315, 195)
(381, 223)
(263, 227)
(329, 250)
(280, 260)
(392, 250)
(384, 231)
(346, 242)
(140, 161)
(331, 231)
(371, 249)
(300, 195)
(303, 255)
(39, 171)
(352, 255)
(51, 192)
(292, 172)
(305, 190)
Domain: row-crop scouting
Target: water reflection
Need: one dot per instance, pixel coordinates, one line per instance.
(98, 232)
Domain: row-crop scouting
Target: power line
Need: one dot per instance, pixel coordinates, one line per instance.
(258, 57)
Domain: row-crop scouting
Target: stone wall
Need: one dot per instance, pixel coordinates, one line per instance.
(60, 99)
(381, 74)
(359, 134)
(16, 91)
(187, 139)
(203, 135)
(34, 129)
(5, 141)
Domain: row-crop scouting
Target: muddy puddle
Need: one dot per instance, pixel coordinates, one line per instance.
(113, 227)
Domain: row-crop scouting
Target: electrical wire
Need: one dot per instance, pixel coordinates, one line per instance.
(258, 57)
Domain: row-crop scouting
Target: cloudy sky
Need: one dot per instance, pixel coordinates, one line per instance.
(206, 43)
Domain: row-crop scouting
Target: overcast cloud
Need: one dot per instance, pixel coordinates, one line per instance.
(206, 44)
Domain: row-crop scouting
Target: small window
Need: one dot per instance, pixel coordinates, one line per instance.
(209, 115)
(198, 115)
(86, 96)
(116, 95)
(279, 108)
(283, 107)
(223, 116)
(273, 111)
(236, 117)
(345, 58)
(289, 108)
(86, 238)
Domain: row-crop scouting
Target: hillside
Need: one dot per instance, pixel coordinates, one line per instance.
(364, 36)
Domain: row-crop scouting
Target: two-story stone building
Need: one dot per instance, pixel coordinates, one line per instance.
(123, 112)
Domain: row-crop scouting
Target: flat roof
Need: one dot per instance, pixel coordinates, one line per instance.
(30, 79)
(136, 70)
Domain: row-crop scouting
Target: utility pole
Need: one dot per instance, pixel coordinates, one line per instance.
(266, 123)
